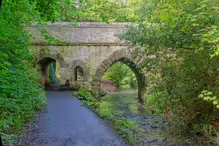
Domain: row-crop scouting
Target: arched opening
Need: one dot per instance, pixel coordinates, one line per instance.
(118, 56)
(79, 74)
(79, 71)
(120, 83)
(50, 70)
(119, 78)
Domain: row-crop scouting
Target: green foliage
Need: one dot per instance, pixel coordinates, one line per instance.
(20, 93)
(101, 11)
(125, 127)
(48, 37)
(175, 83)
(48, 10)
(209, 96)
(121, 74)
(181, 36)
(180, 80)
(185, 24)
(87, 98)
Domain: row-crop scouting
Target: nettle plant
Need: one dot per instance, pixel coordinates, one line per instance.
(209, 97)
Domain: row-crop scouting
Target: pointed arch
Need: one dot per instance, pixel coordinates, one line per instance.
(79, 64)
(121, 56)
(78, 72)
(44, 60)
(57, 57)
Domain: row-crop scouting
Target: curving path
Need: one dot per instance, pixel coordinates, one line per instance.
(66, 122)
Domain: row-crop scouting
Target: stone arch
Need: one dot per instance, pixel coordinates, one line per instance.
(43, 62)
(43, 68)
(79, 64)
(57, 57)
(78, 70)
(121, 56)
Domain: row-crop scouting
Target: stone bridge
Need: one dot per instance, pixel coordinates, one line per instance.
(93, 47)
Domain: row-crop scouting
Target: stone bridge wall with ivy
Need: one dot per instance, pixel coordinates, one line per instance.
(92, 46)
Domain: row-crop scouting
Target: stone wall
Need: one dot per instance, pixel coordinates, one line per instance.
(92, 46)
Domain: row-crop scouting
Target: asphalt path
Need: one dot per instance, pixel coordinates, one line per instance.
(66, 122)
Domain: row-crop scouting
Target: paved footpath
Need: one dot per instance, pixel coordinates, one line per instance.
(66, 122)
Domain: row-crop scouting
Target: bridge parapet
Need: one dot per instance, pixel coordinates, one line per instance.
(84, 33)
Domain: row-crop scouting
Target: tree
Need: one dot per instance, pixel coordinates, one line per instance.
(101, 11)
(183, 37)
(185, 24)
(21, 94)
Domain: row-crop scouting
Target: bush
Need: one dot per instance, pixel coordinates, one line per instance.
(177, 87)
(20, 92)
(182, 37)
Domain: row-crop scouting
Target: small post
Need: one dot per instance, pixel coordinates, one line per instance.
(1, 143)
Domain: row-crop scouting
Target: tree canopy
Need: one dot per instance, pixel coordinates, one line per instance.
(184, 38)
